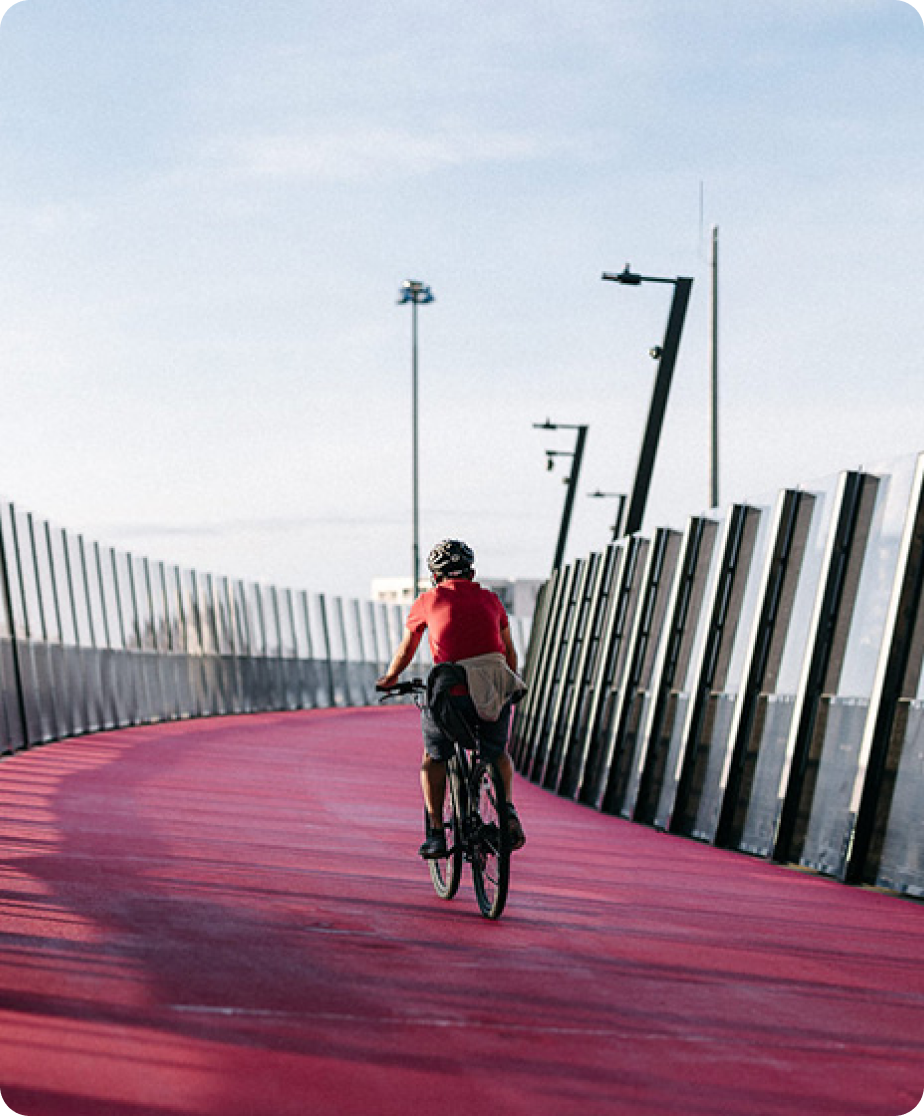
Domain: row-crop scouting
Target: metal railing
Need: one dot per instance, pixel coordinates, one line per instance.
(94, 638)
(755, 681)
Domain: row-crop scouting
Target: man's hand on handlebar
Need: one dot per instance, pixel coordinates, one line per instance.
(389, 687)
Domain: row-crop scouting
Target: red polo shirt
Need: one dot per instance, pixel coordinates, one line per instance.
(462, 620)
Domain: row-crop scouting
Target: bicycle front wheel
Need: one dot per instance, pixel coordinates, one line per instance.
(446, 872)
(491, 850)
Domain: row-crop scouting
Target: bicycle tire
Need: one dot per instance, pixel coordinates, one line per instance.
(446, 872)
(491, 842)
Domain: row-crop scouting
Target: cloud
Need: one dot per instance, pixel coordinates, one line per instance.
(271, 525)
(377, 152)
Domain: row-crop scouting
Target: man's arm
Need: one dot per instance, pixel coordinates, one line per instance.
(402, 657)
(510, 652)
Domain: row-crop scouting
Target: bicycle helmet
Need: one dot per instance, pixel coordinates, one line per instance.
(451, 558)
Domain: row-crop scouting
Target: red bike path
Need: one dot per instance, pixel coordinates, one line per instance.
(228, 916)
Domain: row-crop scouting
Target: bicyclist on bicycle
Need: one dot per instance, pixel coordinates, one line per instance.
(468, 625)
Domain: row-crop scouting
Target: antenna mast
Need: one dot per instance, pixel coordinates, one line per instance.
(714, 377)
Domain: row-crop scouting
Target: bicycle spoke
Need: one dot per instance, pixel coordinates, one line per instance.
(446, 872)
(491, 856)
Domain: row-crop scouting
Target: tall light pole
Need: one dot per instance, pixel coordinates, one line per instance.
(416, 293)
(666, 356)
(577, 456)
(620, 497)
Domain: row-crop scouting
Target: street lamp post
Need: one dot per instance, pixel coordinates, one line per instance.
(416, 293)
(577, 455)
(620, 497)
(666, 357)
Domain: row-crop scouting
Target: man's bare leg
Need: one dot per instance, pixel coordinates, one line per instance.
(505, 765)
(433, 785)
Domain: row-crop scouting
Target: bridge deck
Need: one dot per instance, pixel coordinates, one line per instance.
(229, 917)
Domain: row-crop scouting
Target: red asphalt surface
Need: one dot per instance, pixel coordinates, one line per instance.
(229, 917)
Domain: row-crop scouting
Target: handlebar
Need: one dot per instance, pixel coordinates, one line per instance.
(402, 689)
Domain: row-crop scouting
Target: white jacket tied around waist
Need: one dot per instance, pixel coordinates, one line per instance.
(491, 684)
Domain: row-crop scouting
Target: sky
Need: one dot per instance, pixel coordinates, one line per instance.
(208, 207)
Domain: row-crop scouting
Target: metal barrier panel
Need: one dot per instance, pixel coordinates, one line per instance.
(34, 663)
(522, 733)
(129, 661)
(115, 661)
(309, 674)
(765, 738)
(582, 718)
(538, 629)
(768, 617)
(13, 732)
(669, 594)
(20, 667)
(267, 658)
(615, 592)
(364, 664)
(193, 641)
(209, 679)
(656, 580)
(285, 698)
(288, 665)
(560, 649)
(223, 666)
(687, 692)
(162, 668)
(819, 716)
(62, 666)
(897, 858)
(159, 594)
(175, 596)
(239, 686)
(242, 644)
(327, 650)
(243, 627)
(548, 756)
(623, 609)
(355, 679)
(377, 619)
(662, 731)
(698, 797)
(845, 744)
(339, 651)
(888, 840)
(97, 709)
(75, 626)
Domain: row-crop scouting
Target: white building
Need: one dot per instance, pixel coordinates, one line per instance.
(518, 596)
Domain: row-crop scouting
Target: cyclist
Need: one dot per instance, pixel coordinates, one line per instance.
(468, 625)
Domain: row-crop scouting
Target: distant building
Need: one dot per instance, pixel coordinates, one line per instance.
(394, 590)
(518, 596)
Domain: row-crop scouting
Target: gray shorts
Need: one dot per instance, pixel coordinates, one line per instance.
(492, 735)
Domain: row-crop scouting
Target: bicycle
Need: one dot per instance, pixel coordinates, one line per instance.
(476, 831)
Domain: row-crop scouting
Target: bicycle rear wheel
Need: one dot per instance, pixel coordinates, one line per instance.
(491, 847)
(446, 872)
